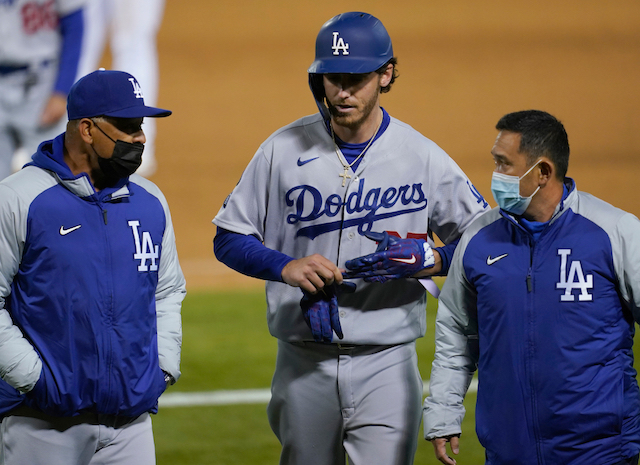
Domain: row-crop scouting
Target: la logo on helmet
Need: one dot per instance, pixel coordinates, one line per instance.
(136, 88)
(339, 44)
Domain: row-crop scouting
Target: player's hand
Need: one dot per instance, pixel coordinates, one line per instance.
(320, 311)
(311, 273)
(440, 448)
(55, 109)
(394, 258)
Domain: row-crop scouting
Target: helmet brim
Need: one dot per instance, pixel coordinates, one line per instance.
(352, 66)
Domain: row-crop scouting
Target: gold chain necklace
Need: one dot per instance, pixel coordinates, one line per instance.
(344, 163)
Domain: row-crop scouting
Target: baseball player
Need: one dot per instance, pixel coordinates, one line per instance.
(39, 51)
(319, 192)
(541, 298)
(132, 27)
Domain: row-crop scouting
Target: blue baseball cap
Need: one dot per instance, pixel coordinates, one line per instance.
(109, 93)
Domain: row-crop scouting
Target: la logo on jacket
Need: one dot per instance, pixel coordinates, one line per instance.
(145, 250)
(575, 279)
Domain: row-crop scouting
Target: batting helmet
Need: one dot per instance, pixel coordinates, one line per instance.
(353, 43)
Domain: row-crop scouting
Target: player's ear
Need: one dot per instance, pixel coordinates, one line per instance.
(547, 170)
(84, 130)
(385, 78)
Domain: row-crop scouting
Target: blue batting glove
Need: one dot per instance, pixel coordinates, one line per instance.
(320, 311)
(394, 258)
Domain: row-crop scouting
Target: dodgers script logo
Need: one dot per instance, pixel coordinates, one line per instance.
(574, 280)
(374, 205)
(145, 250)
(339, 44)
(136, 88)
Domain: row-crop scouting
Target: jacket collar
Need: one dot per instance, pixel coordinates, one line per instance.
(567, 202)
(50, 157)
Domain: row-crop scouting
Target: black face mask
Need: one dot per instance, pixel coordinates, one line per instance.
(125, 159)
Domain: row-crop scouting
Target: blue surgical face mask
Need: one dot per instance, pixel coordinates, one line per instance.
(506, 191)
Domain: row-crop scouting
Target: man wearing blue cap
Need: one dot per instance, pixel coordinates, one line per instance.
(90, 289)
(314, 200)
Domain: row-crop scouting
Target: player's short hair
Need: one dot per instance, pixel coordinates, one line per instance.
(394, 76)
(541, 134)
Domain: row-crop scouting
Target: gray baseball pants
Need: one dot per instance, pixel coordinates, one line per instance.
(329, 402)
(88, 439)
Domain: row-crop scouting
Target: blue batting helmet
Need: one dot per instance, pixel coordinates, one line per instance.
(351, 43)
(354, 43)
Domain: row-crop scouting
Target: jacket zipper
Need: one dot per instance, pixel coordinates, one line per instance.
(529, 281)
(530, 299)
(109, 307)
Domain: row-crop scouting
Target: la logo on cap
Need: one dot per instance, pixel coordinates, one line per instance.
(116, 94)
(136, 88)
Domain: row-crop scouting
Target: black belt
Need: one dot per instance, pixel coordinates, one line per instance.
(340, 347)
(346, 346)
(8, 69)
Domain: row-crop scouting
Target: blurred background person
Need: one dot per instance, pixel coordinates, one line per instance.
(39, 51)
(131, 27)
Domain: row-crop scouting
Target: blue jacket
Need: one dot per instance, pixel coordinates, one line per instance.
(90, 292)
(549, 324)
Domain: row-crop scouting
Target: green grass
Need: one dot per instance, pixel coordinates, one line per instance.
(225, 435)
(226, 345)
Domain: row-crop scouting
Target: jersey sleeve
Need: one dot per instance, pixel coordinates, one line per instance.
(20, 365)
(65, 7)
(247, 255)
(456, 354)
(446, 254)
(71, 30)
(245, 209)
(455, 202)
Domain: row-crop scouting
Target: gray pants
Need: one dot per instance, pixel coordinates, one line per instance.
(328, 402)
(88, 439)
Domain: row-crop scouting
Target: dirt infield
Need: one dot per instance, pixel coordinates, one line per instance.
(234, 71)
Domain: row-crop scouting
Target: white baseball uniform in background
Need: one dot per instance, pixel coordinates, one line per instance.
(30, 45)
(132, 27)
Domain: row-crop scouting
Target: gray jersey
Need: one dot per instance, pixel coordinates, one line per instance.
(30, 47)
(29, 29)
(291, 197)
